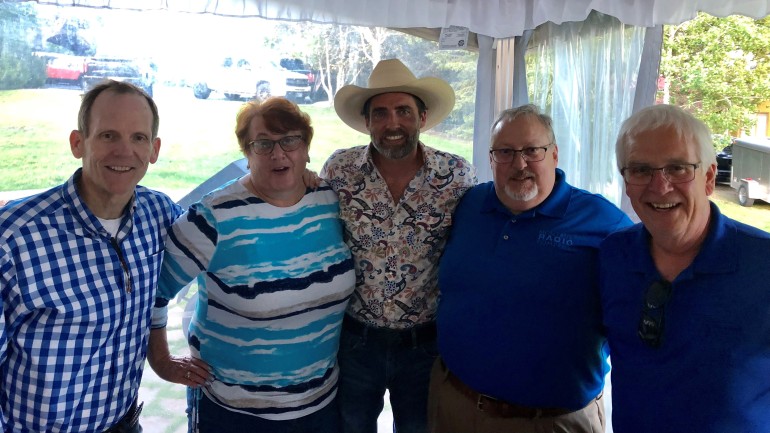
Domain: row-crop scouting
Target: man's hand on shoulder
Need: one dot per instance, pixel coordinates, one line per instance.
(311, 179)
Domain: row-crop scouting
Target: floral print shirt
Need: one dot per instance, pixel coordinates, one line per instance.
(396, 245)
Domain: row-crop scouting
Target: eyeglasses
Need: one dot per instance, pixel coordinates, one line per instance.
(264, 146)
(653, 313)
(529, 154)
(673, 173)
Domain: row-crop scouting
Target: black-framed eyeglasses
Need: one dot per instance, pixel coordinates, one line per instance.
(673, 173)
(264, 146)
(653, 313)
(529, 154)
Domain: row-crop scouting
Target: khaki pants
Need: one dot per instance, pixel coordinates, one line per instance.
(450, 411)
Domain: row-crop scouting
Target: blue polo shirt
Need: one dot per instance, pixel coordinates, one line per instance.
(711, 373)
(518, 317)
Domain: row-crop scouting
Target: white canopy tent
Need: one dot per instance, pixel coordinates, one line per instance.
(494, 18)
(504, 30)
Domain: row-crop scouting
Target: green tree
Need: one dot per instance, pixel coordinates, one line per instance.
(19, 67)
(718, 68)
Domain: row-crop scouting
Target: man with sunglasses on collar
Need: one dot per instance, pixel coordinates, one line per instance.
(686, 293)
(518, 321)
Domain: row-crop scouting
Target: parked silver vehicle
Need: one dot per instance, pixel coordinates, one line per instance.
(139, 72)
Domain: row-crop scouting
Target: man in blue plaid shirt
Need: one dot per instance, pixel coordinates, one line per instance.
(78, 270)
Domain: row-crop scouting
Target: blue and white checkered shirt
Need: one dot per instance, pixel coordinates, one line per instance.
(76, 306)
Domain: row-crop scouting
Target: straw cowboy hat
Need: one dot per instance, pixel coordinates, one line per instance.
(392, 76)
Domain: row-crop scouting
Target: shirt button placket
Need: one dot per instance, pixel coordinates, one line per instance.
(505, 236)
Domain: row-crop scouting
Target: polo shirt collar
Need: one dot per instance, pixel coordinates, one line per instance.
(718, 253)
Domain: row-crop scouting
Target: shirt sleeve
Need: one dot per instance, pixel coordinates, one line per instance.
(3, 338)
(472, 177)
(191, 243)
(3, 345)
(5, 282)
(623, 222)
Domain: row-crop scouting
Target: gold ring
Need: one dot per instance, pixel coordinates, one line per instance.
(187, 375)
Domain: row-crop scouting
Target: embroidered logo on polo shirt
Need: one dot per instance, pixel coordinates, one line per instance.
(555, 239)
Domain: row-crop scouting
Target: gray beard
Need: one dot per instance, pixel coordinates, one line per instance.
(522, 196)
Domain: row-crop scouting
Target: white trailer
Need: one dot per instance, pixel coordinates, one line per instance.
(751, 170)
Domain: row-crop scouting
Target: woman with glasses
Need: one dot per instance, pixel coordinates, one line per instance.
(274, 277)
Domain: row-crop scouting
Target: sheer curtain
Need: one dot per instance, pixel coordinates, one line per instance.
(584, 76)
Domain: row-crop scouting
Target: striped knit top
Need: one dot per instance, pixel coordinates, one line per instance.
(273, 284)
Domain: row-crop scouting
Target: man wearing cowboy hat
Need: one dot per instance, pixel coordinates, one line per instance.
(397, 196)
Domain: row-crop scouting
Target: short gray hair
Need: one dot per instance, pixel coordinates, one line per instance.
(665, 116)
(524, 110)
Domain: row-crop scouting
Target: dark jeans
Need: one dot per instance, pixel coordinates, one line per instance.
(213, 418)
(370, 363)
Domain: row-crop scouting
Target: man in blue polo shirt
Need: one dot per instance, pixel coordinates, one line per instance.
(686, 293)
(519, 326)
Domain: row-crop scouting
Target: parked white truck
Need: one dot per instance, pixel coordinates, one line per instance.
(241, 78)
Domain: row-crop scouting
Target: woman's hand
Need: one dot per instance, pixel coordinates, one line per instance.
(186, 370)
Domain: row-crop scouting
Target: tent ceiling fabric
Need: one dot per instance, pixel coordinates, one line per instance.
(496, 18)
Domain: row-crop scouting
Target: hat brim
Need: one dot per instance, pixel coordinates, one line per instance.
(438, 96)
